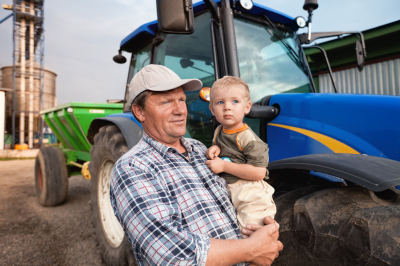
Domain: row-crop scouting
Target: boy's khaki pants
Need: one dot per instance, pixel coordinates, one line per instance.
(252, 201)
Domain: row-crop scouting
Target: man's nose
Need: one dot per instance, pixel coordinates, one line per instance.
(179, 108)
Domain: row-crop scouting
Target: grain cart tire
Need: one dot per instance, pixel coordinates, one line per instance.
(109, 146)
(51, 176)
(339, 226)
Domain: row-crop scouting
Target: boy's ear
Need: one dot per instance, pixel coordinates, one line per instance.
(248, 107)
(211, 109)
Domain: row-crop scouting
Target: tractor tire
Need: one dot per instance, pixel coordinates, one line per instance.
(51, 177)
(109, 146)
(338, 226)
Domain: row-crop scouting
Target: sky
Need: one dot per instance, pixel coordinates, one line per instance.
(81, 37)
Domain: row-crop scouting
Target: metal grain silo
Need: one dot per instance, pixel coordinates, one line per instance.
(49, 94)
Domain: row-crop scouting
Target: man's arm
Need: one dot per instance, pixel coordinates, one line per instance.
(150, 218)
(261, 248)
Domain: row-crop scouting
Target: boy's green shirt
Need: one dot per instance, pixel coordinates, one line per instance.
(242, 146)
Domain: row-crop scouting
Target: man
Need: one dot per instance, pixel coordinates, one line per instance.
(172, 207)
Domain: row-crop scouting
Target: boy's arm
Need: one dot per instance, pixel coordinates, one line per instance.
(243, 171)
(214, 150)
(256, 153)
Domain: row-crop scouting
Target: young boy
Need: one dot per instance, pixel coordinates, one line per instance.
(248, 154)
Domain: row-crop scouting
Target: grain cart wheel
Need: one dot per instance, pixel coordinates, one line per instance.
(109, 145)
(51, 176)
(339, 226)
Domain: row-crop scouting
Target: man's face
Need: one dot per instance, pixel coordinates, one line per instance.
(164, 116)
(229, 105)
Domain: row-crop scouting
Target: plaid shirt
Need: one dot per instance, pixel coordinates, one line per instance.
(169, 206)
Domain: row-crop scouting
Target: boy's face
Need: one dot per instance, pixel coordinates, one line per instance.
(229, 105)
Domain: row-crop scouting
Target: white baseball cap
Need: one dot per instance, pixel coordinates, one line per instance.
(159, 78)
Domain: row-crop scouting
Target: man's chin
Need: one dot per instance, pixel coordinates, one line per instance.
(178, 133)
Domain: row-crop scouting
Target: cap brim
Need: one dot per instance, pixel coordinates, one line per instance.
(186, 84)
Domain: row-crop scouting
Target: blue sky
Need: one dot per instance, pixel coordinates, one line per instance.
(83, 36)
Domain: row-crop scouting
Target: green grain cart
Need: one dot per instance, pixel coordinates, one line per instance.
(70, 123)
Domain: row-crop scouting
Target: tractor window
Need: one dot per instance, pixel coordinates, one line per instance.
(139, 60)
(266, 64)
(190, 56)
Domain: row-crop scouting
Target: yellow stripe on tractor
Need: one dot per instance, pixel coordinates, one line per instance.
(333, 144)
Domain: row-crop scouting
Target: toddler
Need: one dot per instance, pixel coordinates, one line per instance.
(238, 155)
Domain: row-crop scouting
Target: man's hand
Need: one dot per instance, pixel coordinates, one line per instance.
(251, 228)
(266, 245)
(213, 152)
(261, 248)
(217, 165)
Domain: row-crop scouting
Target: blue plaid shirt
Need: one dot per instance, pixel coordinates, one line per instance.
(169, 206)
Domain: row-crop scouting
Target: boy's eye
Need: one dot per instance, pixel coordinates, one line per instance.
(220, 102)
(235, 101)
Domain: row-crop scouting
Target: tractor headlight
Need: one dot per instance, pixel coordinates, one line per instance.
(246, 4)
(301, 22)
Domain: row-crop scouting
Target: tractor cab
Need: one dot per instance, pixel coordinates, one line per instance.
(269, 57)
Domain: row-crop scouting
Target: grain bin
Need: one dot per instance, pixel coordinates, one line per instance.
(49, 94)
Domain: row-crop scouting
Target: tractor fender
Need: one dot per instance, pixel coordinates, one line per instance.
(129, 126)
(374, 173)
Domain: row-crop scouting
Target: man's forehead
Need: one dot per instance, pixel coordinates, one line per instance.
(171, 93)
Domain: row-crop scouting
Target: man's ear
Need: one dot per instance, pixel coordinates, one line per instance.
(138, 113)
(211, 109)
(248, 107)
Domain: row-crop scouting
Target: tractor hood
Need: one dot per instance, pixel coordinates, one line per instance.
(334, 123)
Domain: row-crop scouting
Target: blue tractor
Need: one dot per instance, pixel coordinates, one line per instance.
(334, 158)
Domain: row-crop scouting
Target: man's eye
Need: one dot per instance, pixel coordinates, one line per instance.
(220, 102)
(235, 101)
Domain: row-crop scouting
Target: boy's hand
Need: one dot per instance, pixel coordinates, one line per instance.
(213, 152)
(217, 165)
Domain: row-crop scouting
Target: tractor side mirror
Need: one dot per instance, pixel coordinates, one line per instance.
(360, 56)
(175, 16)
(186, 62)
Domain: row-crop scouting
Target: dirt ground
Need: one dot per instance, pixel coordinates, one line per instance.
(34, 235)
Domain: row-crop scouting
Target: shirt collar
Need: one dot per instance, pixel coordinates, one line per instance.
(162, 148)
(233, 131)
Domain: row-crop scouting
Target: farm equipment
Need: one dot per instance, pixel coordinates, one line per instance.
(70, 123)
(335, 159)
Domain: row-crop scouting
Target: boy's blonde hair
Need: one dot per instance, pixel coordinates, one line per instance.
(229, 81)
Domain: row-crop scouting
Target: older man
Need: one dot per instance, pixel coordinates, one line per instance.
(172, 207)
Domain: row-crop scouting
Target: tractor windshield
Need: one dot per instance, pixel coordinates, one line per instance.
(267, 64)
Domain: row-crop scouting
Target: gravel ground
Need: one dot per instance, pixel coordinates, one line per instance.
(34, 235)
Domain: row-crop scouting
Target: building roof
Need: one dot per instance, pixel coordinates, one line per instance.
(147, 31)
(382, 43)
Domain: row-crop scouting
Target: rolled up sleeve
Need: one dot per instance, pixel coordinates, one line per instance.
(152, 220)
(256, 153)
